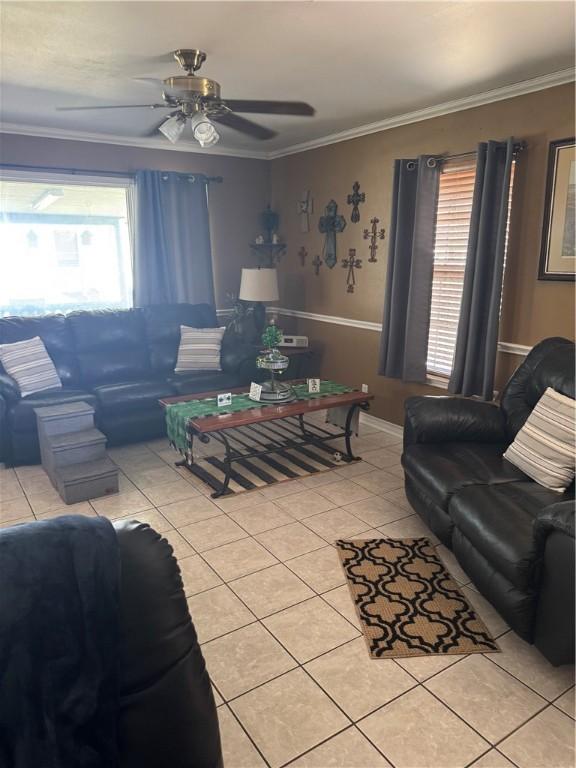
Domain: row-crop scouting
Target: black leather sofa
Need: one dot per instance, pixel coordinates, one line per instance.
(513, 537)
(122, 363)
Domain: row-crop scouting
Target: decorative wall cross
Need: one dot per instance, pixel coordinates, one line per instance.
(302, 253)
(304, 208)
(351, 263)
(373, 235)
(331, 224)
(317, 263)
(354, 200)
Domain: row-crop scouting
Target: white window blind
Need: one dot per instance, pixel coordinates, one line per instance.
(450, 247)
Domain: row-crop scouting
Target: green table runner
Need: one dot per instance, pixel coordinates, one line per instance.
(178, 414)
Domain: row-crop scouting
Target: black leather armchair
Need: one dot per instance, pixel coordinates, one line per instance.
(167, 712)
(511, 535)
(122, 363)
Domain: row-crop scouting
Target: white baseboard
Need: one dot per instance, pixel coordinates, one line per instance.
(381, 424)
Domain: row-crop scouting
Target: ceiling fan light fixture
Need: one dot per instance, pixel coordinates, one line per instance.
(172, 127)
(203, 130)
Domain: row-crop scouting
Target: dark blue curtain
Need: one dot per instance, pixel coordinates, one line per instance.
(406, 321)
(172, 255)
(477, 340)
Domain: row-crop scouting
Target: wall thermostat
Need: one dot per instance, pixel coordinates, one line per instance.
(294, 341)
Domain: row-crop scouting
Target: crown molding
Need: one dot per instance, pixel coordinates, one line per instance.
(125, 141)
(457, 105)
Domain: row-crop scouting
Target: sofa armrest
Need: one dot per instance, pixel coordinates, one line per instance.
(554, 625)
(556, 517)
(8, 387)
(452, 419)
(239, 357)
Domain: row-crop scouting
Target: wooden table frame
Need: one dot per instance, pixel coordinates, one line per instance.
(291, 415)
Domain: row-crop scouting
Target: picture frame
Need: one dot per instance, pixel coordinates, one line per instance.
(557, 254)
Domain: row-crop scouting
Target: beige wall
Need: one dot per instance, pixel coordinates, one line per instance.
(234, 204)
(532, 309)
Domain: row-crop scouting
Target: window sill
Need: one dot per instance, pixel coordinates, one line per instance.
(433, 380)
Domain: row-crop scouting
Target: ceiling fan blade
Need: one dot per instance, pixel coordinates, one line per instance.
(270, 107)
(243, 126)
(116, 106)
(154, 130)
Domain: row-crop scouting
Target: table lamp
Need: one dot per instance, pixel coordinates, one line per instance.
(259, 285)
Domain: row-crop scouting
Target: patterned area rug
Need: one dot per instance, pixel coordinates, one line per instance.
(407, 602)
(250, 474)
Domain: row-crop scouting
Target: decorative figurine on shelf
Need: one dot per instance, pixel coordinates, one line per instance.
(274, 361)
(331, 224)
(269, 247)
(269, 220)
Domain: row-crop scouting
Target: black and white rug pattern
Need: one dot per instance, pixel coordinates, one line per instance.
(280, 465)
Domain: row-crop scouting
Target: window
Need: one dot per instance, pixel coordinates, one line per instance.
(450, 249)
(64, 243)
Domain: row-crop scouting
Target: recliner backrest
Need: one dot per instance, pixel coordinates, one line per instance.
(162, 323)
(549, 364)
(110, 345)
(54, 332)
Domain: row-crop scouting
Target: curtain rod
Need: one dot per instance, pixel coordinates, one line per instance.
(111, 174)
(518, 147)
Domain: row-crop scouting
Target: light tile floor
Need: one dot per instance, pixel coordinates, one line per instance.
(292, 678)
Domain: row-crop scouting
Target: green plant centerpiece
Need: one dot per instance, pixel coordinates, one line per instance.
(272, 360)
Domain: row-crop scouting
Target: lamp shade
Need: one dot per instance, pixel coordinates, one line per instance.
(259, 284)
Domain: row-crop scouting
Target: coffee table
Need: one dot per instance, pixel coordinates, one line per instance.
(217, 425)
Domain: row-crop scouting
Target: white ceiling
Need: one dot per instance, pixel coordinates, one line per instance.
(356, 62)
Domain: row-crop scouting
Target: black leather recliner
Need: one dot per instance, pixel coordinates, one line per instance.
(167, 712)
(513, 537)
(121, 363)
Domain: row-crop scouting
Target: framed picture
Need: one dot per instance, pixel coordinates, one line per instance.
(558, 255)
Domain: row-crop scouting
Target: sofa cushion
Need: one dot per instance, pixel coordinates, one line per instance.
(498, 521)
(21, 414)
(54, 332)
(132, 396)
(441, 469)
(204, 381)
(110, 345)
(162, 327)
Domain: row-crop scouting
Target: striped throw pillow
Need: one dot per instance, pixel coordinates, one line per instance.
(30, 366)
(544, 449)
(199, 349)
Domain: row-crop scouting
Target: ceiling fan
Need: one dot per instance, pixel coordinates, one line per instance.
(197, 100)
